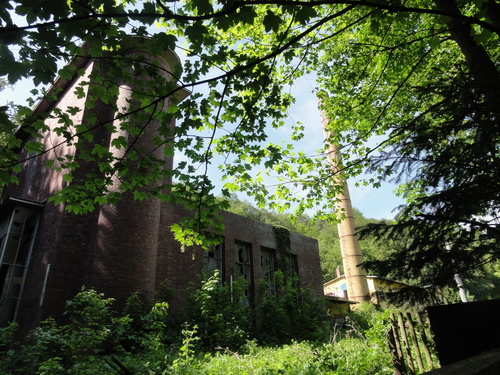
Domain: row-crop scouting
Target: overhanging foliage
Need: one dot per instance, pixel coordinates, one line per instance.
(421, 75)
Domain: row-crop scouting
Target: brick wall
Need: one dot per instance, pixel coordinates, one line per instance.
(182, 267)
(127, 247)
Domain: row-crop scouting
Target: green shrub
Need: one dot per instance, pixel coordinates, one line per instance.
(296, 358)
(354, 356)
(7, 337)
(223, 320)
(291, 313)
(215, 341)
(359, 345)
(77, 347)
(14, 358)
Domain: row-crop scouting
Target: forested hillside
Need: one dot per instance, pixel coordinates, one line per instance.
(325, 232)
(480, 283)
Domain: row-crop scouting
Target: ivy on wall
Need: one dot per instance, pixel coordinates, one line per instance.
(283, 246)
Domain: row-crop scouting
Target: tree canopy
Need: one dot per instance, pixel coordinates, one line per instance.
(422, 76)
(480, 284)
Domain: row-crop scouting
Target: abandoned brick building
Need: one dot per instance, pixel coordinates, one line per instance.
(47, 253)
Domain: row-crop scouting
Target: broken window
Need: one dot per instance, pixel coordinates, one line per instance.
(268, 265)
(214, 260)
(18, 225)
(292, 265)
(243, 267)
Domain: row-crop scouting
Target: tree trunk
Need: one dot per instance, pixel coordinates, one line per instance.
(482, 68)
(493, 13)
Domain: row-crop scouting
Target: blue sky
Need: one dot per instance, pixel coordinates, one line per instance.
(377, 203)
(373, 203)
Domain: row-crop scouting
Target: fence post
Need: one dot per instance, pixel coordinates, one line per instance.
(398, 362)
(425, 342)
(414, 340)
(411, 366)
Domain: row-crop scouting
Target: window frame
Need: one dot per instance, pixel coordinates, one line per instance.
(19, 222)
(268, 269)
(243, 267)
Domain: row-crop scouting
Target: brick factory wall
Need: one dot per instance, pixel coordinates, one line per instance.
(123, 248)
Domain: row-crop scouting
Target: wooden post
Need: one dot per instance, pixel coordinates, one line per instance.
(402, 330)
(425, 342)
(398, 362)
(414, 340)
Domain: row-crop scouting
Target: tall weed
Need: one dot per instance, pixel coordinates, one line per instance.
(291, 313)
(222, 318)
(216, 339)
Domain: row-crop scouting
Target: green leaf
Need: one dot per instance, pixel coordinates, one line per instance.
(73, 110)
(166, 41)
(36, 147)
(66, 72)
(140, 195)
(304, 14)
(196, 33)
(434, 42)
(246, 15)
(148, 7)
(271, 21)
(79, 92)
(202, 6)
(120, 142)
(68, 177)
(231, 186)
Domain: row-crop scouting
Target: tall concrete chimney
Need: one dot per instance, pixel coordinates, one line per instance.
(357, 285)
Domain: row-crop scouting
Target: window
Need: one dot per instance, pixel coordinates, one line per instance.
(292, 265)
(18, 226)
(268, 265)
(243, 267)
(214, 260)
(343, 289)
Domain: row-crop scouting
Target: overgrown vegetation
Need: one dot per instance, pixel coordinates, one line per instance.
(324, 231)
(220, 336)
(411, 89)
(483, 283)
